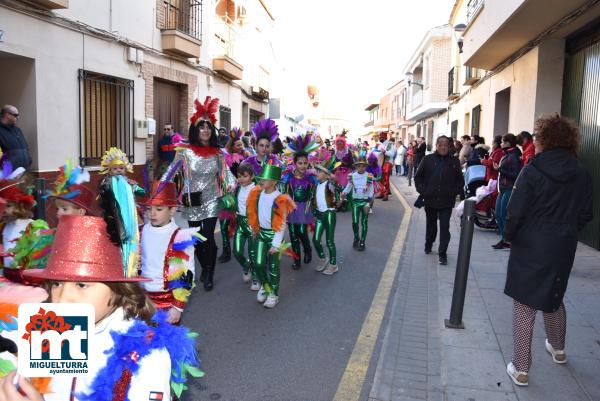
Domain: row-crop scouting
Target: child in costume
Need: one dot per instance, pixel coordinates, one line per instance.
(299, 184)
(167, 253)
(267, 210)
(117, 199)
(324, 208)
(374, 169)
(386, 173)
(70, 194)
(344, 156)
(361, 187)
(265, 134)
(138, 355)
(243, 232)
(234, 155)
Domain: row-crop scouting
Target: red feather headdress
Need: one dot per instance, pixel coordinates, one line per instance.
(205, 111)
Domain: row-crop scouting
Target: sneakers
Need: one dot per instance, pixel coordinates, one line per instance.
(519, 378)
(355, 244)
(427, 250)
(443, 260)
(557, 356)
(255, 285)
(271, 302)
(331, 269)
(296, 264)
(261, 295)
(321, 265)
(361, 246)
(246, 277)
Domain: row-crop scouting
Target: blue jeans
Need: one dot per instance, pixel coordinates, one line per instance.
(501, 204)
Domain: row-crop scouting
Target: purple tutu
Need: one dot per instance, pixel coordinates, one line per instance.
(302, 214)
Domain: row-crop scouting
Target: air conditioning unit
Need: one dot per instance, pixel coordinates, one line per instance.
(141, 129)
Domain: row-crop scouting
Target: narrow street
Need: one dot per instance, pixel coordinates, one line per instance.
(299, 350)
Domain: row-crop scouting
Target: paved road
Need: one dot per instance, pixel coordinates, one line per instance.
(299, 350)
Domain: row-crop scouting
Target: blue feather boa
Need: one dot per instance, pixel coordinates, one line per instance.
(175, 339)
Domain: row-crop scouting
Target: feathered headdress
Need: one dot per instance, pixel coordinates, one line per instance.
(236, 134)
(303, 145)
(265, 128)
(68, 177)
(206, 111)
(360, 157)
(328, 165)
(115, 157)
(10, 185)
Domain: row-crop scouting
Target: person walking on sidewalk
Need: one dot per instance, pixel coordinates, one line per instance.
(508, 171)
(410, 161)
(550, 204)
(439, 180)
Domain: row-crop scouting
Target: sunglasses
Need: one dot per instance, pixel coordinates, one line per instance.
(168, 129)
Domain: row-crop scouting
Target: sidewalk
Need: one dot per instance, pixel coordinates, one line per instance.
(422, 360)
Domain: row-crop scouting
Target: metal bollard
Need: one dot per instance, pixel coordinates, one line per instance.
(40, 207)
(462, 267)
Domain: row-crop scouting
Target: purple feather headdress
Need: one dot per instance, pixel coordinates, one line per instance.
(265, 128)
(303, 144)
(236, 134)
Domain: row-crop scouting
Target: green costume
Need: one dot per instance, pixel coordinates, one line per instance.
(266, 265)
(243, 234)
(359, 216)
(325, 222)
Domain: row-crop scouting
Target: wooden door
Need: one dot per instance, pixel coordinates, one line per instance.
(167, 98)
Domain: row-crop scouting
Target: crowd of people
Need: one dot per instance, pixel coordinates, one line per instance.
(543, 199)
(118, 246)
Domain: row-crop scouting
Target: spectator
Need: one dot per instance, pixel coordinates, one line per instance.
(439, 179)
(12, 141)
(508, 170)
(419, 152)
(223, 137)
(457, 147)
(399, 158)
(465, 151)
(491, 172)
(410, 161)
(551, 202)
(526, 141)
(166, 149)
(478, 152)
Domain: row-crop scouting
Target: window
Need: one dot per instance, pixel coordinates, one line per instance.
(105, 115)
(475, 120)
(184, 16)
(225, 118)
(454, 129)
(467, 123)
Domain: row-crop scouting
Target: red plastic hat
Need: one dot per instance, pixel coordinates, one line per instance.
(83, 251)
(163, 194)
(11, 192)
(2, 205)
(84, 199)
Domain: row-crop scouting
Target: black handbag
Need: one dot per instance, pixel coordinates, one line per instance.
(420, 202)
(192, 199)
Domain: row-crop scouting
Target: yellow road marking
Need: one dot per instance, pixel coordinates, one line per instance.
(352, 381)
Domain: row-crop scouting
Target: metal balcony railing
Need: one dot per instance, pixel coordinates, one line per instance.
(473, 7)
(225, 36)
(184, 16)
(417, 99)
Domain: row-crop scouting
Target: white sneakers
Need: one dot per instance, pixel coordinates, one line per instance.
(330, 269)
(519, 378)
(321, 265)
(557, 356)
(271, 302)
(261, 295)
(246, 277)
(255, 285)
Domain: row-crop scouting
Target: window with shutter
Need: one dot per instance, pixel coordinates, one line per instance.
(475, 118)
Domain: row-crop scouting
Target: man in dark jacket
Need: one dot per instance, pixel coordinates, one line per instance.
(12, 141)
(420, 152)
(439, 180)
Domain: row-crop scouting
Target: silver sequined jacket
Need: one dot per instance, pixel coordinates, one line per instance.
(208, 175)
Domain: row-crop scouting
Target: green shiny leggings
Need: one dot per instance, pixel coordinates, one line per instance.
(224, 224)
(299, 233)
(358, 212)
(325, 222)
(243, 234)
(266, 265)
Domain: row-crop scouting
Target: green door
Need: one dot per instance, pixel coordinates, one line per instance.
(581, 102)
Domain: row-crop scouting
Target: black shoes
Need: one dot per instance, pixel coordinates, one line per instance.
(307, 256)
(501, 245)
(361, 246)
(355, 244)
(208, 278)
(296, 264)
(443, 260)
(226, 255)
(427, 250)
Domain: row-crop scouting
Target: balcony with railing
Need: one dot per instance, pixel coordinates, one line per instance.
(226, 34)
(472, 75)
(452, 83)
(417, 99)
(180, 22)
(473, 8)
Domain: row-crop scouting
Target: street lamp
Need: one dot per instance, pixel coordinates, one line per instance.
(459, 29)
(409, 80)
